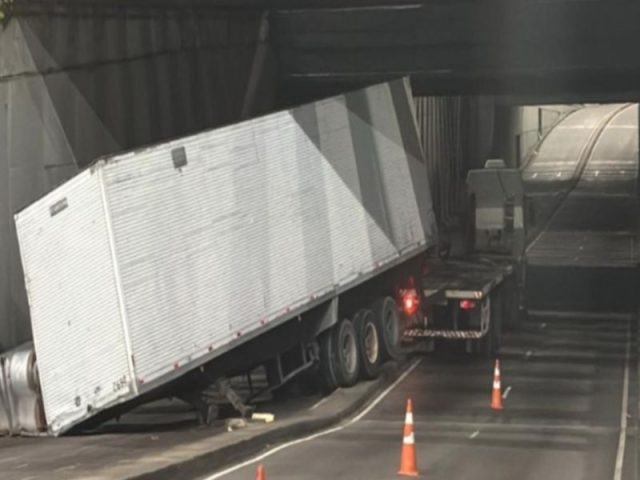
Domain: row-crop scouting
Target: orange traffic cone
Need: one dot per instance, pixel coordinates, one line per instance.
(496, 393)
(408, 463)
(260, 474)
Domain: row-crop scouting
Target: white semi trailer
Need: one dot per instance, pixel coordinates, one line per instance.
(287, 241)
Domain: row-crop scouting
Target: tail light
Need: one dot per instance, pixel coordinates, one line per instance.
(410, 302)
(467, 304)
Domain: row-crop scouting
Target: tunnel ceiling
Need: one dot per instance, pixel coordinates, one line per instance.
(498, 47)
(535, 50)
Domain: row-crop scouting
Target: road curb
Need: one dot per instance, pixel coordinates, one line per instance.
(211, 461)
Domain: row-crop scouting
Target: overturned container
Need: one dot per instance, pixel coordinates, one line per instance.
(154, 262)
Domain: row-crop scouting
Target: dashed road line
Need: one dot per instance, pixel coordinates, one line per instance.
(506, 392)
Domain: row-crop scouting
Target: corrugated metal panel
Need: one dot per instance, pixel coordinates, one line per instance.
(74, 305)
(442, 128)
(218, 234)
(209, 251)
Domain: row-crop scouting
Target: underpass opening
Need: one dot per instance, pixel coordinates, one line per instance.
(582, 180)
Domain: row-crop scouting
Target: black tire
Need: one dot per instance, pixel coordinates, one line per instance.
(387, 319)
(486, 347)
(369, 344)
(489, 345)
(327, 375)
(497, 318)
(346, 353)
(510, 316)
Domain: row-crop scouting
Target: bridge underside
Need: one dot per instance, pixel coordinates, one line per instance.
(539, 51)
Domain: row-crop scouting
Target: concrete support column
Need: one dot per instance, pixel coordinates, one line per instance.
(479, 144)
(507, 126)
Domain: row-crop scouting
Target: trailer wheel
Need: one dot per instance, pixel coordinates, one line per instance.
(327, 374)
(387, 319)
(489, 345)
(511, 312)
(486, 346)
(498, 313)
(347, 353)
(369, 343)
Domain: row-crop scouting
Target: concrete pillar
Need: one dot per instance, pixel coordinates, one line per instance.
(507, 126)
(478, 140)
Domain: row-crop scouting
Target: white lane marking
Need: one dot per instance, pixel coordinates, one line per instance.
(323, 433)
(617, 472)
(506, 392)
(528, 354)
(68, 467)
(474, 434)
(318, 403)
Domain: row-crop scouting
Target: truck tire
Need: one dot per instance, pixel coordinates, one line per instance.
(510, 299)
(346, 353)
(486, 347)
(387, 319)
(369, 344)
(326, 373)
(489, 345)
(497, 314)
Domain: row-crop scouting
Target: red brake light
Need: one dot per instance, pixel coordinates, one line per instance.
(410, 302)
(467, 304)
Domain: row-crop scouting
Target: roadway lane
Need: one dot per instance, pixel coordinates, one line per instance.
(597, 223)
(561, 419)
(566, 374)
(555, 166)
(558, 158)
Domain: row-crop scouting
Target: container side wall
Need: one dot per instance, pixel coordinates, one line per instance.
(74, 305)
(221, 233)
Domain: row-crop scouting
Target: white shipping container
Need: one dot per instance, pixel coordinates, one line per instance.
(152, 262)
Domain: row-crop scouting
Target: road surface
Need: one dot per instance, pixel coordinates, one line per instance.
(564, 377)
(569, 378)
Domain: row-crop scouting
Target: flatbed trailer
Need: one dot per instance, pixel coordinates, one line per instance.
(469, 300)
(473, 298)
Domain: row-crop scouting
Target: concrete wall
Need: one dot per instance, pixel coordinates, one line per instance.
(74, 87)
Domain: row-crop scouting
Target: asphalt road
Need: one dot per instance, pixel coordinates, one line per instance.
(564, 377)
(597, 223)
(569, 378)
(558, 157)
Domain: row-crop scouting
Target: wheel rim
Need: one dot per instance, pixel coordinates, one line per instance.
(371, 345)
(349, 352)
